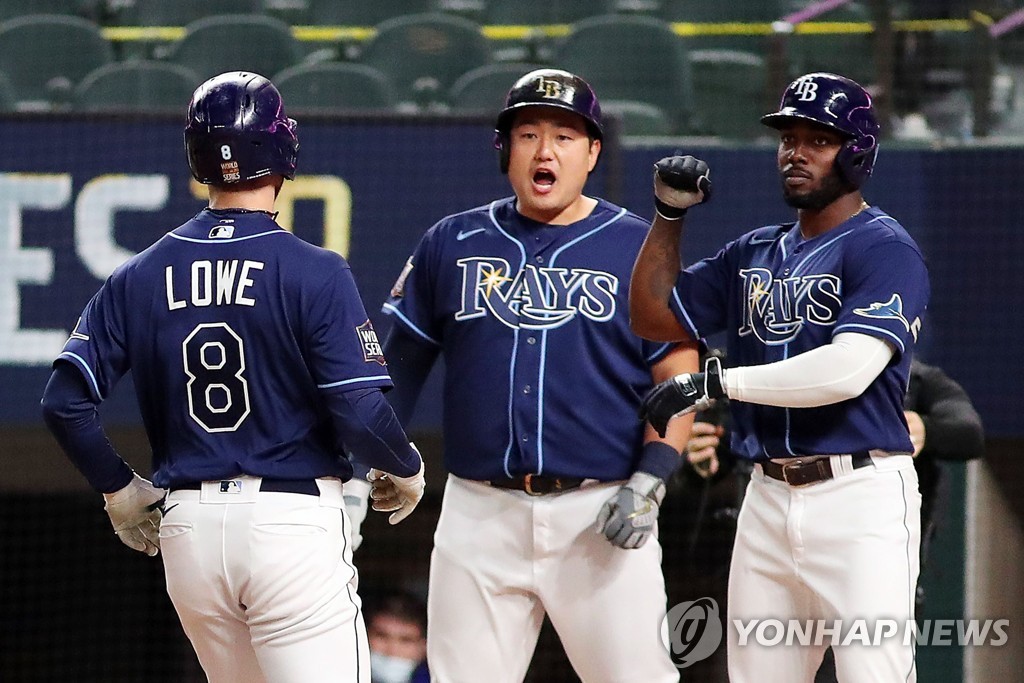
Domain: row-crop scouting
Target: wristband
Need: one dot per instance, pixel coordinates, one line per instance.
(667, 211)
(658, 458)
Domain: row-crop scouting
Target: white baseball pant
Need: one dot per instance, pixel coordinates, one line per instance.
(843, 549)
(264, 583)
(502, 558)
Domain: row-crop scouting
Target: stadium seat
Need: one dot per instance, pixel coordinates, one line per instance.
(533, 12)
(731, 88)
(423, 54)
(484, 88)
(849, 54)
(333, 85)
(361, 12)
(703, 12)
(7, 100)
(181, 13)
(88, 9)
(632, 58)
(638, 118)
(236, 42)
(45, 56)
(136, 85)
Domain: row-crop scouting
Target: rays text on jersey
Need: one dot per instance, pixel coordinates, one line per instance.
(775, 309)
(212, 283)
(534, 297)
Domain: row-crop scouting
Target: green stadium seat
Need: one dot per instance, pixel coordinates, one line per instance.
(484, 88)
(334, 86)
(534, 12)
(638, 118)
(731, 87)
(138, 86)
(632, 58)
(183, 12)
(361, 12)
(847, 54)
(423, 54)
(236, 42)
(704, 12)
(45, 56)
(87, 9)
(7, 100)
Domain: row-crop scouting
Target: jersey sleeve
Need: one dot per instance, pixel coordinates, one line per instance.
(699, 298)
(97, 346)
(885, 293)
(345, 352)
(412, 297)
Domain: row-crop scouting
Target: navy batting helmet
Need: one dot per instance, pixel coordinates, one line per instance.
(838, 103)
(547, 88)
(237, 131)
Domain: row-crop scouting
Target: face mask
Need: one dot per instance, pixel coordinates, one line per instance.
(385, 669)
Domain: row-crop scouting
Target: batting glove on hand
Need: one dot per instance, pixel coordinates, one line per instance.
(134, 512)
(356, 495)
(679, 183)
(682, 394)
(398, 495)
(627, 519)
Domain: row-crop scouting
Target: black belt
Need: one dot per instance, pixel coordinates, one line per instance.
(802, 473)
(267, 485)
(536, 484)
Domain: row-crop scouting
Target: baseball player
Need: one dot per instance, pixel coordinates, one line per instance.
(255, 368)
(554, 490)
(821, 317)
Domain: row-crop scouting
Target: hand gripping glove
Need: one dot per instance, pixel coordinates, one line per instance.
(134, 512)
(627, 519)
(398, 495)
(356, 495)
(683, 394)
(679, 183)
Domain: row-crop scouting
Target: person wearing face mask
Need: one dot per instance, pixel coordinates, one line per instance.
(397, 631)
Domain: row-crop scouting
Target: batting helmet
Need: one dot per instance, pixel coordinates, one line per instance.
(237, 131)
(547, 88)
(840, 104)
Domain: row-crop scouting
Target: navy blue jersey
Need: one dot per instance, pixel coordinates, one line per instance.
(779, 295)
(232, 327)
(543, 374)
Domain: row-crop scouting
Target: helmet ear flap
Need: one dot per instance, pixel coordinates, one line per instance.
(502, 143)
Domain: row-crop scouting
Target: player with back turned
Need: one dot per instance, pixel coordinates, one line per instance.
(821, 317)
(553, 497)
(255, 370)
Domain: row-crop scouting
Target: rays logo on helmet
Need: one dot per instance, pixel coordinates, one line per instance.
(549, 86)
(890, 310)
(806, 89)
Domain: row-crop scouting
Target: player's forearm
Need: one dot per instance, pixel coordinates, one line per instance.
(369, 430)
(654, 276)
(71, 416)
(828, 374)
(409, 362)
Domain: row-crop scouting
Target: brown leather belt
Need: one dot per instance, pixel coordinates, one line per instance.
(536, 484)
(802, 473)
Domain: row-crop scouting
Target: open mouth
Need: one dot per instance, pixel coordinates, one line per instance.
(543, 178)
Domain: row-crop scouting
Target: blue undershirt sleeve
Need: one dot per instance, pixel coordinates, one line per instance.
(70, 412)
(370, 431)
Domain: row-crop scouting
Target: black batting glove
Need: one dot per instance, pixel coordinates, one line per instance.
(679, 183)
(683, 394)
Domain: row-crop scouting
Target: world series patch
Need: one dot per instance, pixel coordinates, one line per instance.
(398, 289)
(372, 352)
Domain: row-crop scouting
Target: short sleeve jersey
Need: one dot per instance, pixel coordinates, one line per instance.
(231, 327)
(542, 372)
(778, 295)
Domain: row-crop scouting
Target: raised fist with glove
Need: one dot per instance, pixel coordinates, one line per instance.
(683, 394)
(398, 495)
(627, 520)
(679, 183)
(135, 514)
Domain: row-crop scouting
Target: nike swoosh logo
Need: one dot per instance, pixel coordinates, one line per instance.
(464, 234)
(761, 240)
(166, 510)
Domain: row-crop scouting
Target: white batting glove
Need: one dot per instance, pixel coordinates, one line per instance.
(627, 520)
(134, 512)
(398, 495)
(356, 496)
